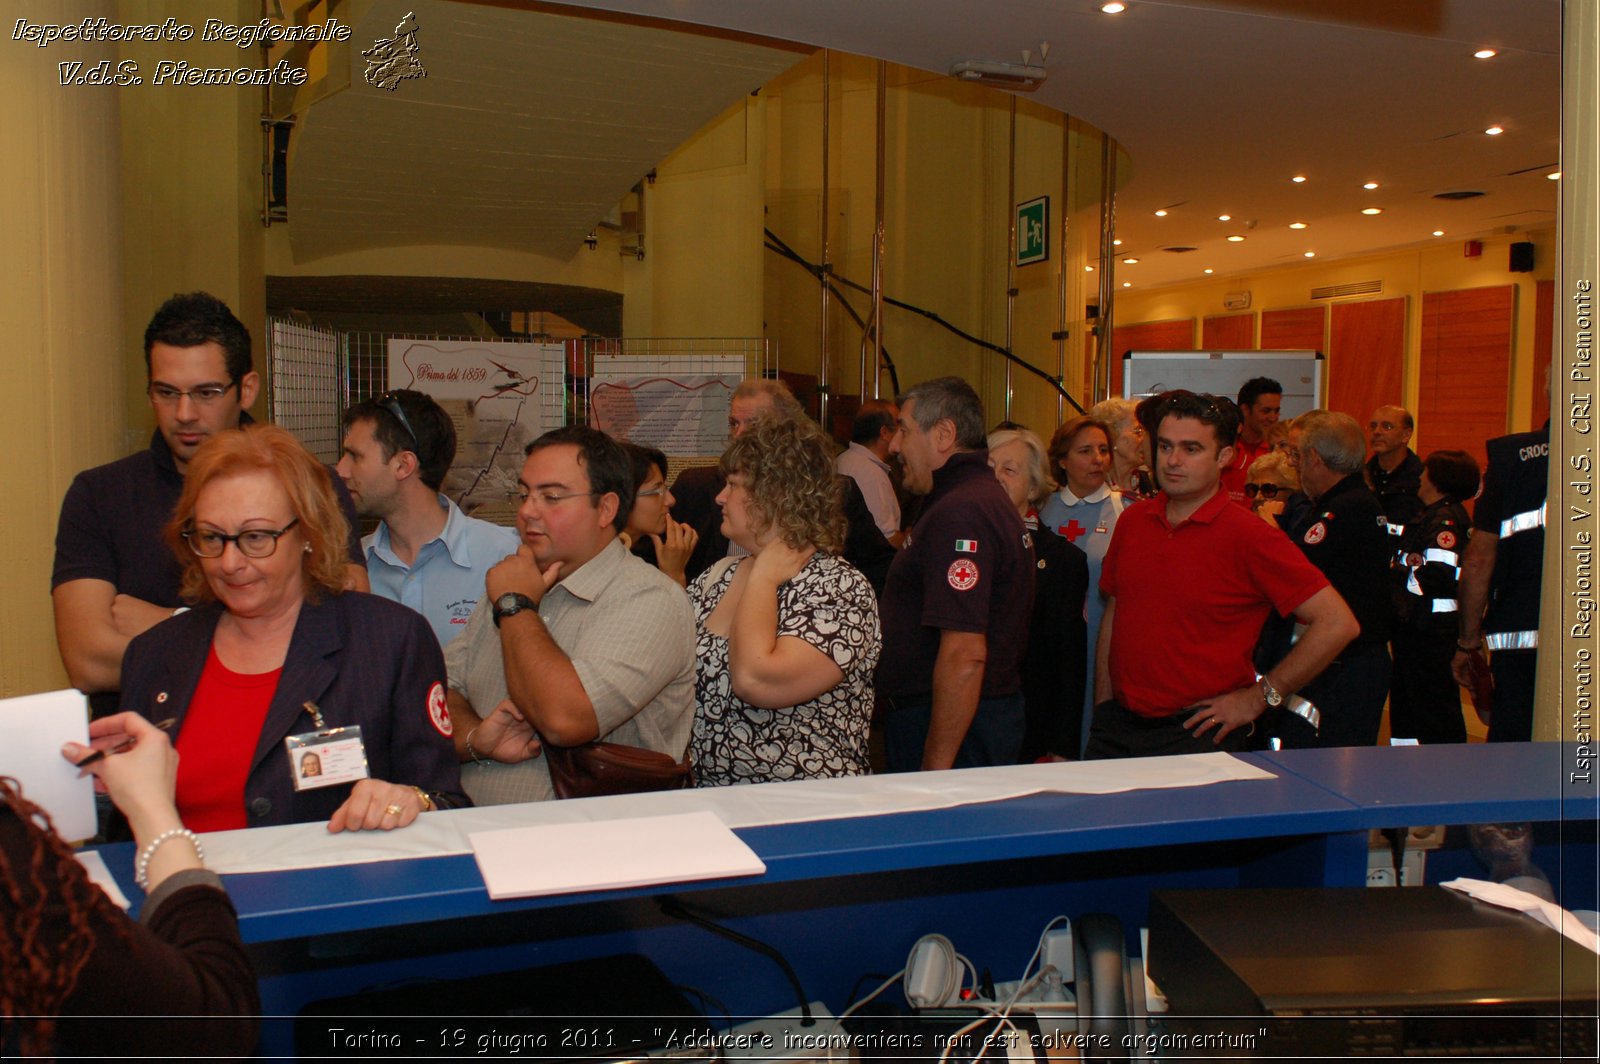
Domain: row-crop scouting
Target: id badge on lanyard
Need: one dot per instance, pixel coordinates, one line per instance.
(326, 756)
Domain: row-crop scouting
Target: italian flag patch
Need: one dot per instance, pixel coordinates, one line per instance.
(966, 546)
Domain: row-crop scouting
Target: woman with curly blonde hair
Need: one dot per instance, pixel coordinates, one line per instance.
(788, 636)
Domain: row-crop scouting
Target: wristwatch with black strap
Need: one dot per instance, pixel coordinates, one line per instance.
(512, 602)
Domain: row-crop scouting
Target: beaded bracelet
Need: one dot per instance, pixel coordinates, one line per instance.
(141, 869)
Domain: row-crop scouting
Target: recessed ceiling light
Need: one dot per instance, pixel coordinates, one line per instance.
(1555, 176)
(1127, 284)
(1161, 213)
(1088, 269)
(1236, 239)
(1438, 232)
(1224, 217)
(1297, 225)
(1311, 254)
(1114, 8)
(1495, 131)
(1298, 179)
(1484, 53)
(1116, 243)
(1130, 261)
(1370, 185)
(1372, 210)
(1209, 270)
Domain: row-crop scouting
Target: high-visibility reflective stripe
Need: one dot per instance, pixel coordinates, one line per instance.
(1412, 585)
(1512, 640)
(1523, 522)
(1397, 530)
(1435, 554)
(1444, 605)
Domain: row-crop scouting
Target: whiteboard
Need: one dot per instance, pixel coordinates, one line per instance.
(1302, 374)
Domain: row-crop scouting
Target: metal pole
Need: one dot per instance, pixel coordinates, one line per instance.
(1108, 259)
(822, 321)
(1061, 269)
(1011, 245)
(877, 237)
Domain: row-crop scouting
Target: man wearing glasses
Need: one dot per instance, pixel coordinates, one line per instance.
(114, 577)
(575, 639)
(425, 553)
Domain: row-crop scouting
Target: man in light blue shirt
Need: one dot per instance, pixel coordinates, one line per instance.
(426, 553)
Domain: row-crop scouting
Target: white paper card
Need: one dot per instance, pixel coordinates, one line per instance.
(530, 862)
(32, 729)
(101, 876)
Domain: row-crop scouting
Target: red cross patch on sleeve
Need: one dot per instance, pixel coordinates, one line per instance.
(963, 574)
(1446, 539)
(438, 712)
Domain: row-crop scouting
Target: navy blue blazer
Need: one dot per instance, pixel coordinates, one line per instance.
(362, 659)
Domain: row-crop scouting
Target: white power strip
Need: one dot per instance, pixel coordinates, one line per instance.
(784, 1036)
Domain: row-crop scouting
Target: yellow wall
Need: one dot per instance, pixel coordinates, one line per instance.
(61, 303)
(1437, 267)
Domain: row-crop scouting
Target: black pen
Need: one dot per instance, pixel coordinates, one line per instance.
(164, 725)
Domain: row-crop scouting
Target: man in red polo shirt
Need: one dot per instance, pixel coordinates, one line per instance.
(1189, 580)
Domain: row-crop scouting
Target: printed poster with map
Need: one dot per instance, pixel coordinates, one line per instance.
(500, 395)
(685, 415)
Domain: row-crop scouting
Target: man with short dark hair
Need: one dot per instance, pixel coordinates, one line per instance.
(1189, 579)
(425, 553)
(114, 576)
(575, 639)
(866, 461)
(1344, 534)
(956, 605)
(1260, 400)
(1394, 472)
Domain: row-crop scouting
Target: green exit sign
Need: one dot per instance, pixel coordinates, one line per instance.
(1033, 231)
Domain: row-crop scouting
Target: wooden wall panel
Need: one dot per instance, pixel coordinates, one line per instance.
(1176, 334)
(1544, 324)
(1228, 332)
(1366, 356)
(1465, 368)
(1295, 329)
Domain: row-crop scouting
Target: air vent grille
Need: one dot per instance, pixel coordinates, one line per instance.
(1355, 288)
(1179, 249)
(1458, 194)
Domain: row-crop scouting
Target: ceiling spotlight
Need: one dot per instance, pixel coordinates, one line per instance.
(1224, 217)
(1116, 243)
(1088, 269)
(1114, 8)
(1484, 53)
(1555, 176)
(1311, 254)
(1127, 284)
(1372, 210)
(1494, 131)
(1209, 270)
(1161, 213)
(1236, 239)
(1370, 185)
(1297, 225)
(1130, 261)
(1298, 179)
(1438, 232)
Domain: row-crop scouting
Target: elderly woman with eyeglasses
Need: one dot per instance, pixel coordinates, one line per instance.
(276, 659)
(1269, 482)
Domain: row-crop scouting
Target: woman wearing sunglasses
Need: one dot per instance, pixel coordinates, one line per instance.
(276, 659)
(1270, 481)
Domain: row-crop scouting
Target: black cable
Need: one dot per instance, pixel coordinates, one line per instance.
(678, 911)
(776, 244)
(931, 316)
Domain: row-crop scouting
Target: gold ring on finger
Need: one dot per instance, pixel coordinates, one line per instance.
(393, 810)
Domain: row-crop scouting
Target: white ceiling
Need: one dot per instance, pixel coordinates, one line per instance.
(1217, 102)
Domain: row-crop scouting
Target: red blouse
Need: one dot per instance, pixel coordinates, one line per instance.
(218, 743)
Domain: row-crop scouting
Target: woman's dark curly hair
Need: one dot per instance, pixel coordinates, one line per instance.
(39, 964)
(787, 464)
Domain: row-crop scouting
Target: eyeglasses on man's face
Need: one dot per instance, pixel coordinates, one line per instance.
(549, 500)
(204, 395)
(252, 542)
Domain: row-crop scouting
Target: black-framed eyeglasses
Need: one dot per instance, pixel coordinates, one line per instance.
(205, 395)
(390, 401)
(1266, 491)
(252, 542)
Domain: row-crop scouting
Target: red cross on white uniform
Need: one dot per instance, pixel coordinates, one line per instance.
(1072, 530)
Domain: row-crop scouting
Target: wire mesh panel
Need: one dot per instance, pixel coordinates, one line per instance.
(307, 384)
(669, 393)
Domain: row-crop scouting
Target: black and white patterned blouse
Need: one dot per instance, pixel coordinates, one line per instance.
(830, 605)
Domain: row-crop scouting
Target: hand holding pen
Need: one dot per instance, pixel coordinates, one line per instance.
(141, 778)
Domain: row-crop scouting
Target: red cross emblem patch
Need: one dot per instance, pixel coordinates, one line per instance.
(963, 574)
(1316, 533)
